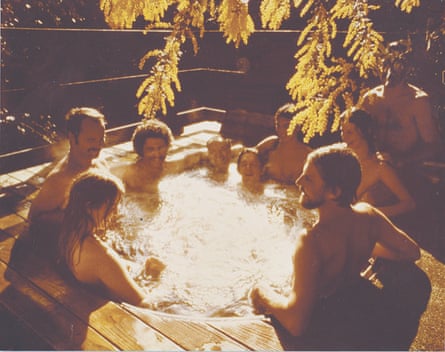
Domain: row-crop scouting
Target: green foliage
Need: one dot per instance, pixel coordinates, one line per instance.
(325, 80)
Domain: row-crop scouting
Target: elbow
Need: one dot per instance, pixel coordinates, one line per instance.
(295, 328)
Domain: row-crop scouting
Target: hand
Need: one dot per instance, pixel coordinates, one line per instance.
(258, 300)
(154, 267)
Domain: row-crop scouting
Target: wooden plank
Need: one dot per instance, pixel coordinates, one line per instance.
(255, 333)
(17, 230)
(7, 180)
(107, 318)
(45, 317)
(9, 221)
(189, 334)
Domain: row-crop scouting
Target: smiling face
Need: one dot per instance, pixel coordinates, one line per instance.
(312, 186)
(154, 153)
(89, 142)
(249, 167)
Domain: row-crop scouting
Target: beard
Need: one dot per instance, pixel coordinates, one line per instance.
(310, 204)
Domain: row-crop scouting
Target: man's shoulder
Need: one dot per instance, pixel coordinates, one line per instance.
(362, 208)
(377, 91)
(417, 92)
(59, 171)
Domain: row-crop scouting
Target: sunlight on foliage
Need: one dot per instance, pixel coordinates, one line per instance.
(325, 82)
(273, 13)
(235, 21)
(122, 14)
(407, 5)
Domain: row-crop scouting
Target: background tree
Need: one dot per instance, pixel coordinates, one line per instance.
(328, 77)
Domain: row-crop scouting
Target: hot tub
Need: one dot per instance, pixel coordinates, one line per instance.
(215, 239)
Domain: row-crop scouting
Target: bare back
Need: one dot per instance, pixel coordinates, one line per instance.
(285, 162)
(340, 248)
(403, 118)
(343, 247)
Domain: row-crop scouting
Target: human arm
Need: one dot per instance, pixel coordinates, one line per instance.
(267, 144)
(48, 205)
(389, 178)
(293, 311)
(391, 242)
(95, 263)
(111, 272)
(427, 129)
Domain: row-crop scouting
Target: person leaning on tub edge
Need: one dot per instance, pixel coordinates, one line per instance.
(86, 135)
(329, 257)
(82, 250)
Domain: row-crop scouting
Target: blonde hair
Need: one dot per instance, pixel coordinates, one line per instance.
(89, 191)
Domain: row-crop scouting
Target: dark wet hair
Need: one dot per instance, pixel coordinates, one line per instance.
(226, 142)
(150, 129)
(75, 117)
(339, 168)
(286, 111)
(247, 151)
(366, 125)
(89, 191)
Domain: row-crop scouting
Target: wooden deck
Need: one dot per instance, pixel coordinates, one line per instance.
(64, 315)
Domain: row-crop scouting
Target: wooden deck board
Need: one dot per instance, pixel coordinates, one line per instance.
(51, 321)
(34, 294)
(257, 334)
(105, 317)
(189, 334)
(9, 221)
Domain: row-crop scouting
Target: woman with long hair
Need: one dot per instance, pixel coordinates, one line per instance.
(92, 203)
(380, 184)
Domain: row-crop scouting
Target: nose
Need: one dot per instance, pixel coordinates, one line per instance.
(297, 181)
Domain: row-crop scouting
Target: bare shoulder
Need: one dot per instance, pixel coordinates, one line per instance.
(119, 170)
(418, 93)
(95, 251)
(363, 208)
(267, 144)
(376, 92)
(128, 171)
(60, 175)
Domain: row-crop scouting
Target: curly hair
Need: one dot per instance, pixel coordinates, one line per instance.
(150, 129)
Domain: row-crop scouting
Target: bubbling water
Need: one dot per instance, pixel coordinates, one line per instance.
(216, 242)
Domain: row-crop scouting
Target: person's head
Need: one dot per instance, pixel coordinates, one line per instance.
(86, 133)
(219, 153)
(92, 202)
(151, 141)
(249, 165)
(397, 63)
(358, 128)
(330, 172)
(282, 119)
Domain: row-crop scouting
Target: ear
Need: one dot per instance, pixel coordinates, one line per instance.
(71, 138)
(333, 193)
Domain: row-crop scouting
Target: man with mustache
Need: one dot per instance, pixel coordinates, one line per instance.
(86, 134)
(330, 256)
